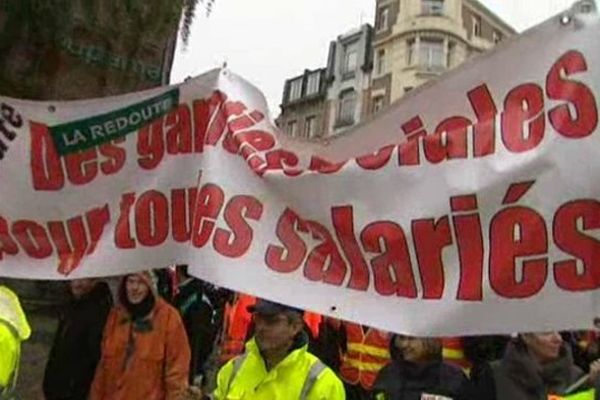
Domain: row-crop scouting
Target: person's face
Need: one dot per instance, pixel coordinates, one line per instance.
(413, 349)
(275, 332)
(545, 346)
(81, 287)
(136, 288)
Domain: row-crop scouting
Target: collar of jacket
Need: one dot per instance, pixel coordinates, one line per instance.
(140, 325)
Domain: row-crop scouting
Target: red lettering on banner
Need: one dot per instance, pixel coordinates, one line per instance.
(570, 222)
(523, 108)
(209, 202)
(82, 167)
(325, 262)
(343, 223)
(46, 168)
(484, 131)
(48, 173)
(577, 94)
(392, 268)
(33, 238)
(73, 239)
(152, 218)
(7, 243)
(115, 156)
(449, 141)
(408, 152)
(73, 243)
(288, 257)
(179, 130)
(325, 167)
(237, 212)
(204, 112)
(281, 160)
(430, 239)
(123, 238)
(150, 145)
(469, 240)
(182, 206)
(518, 232)
(377, 160)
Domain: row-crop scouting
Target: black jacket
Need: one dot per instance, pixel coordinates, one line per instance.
(402, 380)
(76, 350)
(518, 377)
(198, 314)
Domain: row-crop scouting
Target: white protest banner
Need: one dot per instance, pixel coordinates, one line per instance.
(477, 211)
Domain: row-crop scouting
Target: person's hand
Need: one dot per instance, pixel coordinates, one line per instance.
(194, 393)
(594, 371)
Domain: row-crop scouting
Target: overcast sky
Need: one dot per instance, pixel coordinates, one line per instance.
(269, 41)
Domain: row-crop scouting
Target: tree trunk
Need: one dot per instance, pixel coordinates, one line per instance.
(78, 49)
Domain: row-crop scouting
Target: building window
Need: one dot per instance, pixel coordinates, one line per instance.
(451, 58)
(383, 19)
(432, 7)
(378, 104)
(586, 8)
(296, 89)
(292, 128)
(350, 58)
(431, 53)
(310, 126)
(347, 107)
(313, 83)
(410, 52)
(497, 37)
(380, 62)
(476, 26)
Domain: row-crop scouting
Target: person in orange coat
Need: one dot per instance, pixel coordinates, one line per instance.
(145, 351)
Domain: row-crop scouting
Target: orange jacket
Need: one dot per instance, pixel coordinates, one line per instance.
(367, 353)
(158, 367)
(453, 353)
(236, 323)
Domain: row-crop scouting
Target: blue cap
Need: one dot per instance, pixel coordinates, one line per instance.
(267, 307)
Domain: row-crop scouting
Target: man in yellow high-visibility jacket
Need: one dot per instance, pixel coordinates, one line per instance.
(276, 364)
(13, 330)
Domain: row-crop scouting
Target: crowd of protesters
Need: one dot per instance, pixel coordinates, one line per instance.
(164, 335)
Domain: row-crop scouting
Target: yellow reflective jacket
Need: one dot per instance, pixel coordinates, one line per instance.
(587, 395)
(13, 329)
(300, 376)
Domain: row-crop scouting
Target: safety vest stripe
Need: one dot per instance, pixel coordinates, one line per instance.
(364, 366)
(452, 354)
(368, 349)
(311, 378)
(365, 359)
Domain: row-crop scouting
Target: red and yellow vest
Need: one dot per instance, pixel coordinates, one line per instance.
(454, 354)
(367, 353)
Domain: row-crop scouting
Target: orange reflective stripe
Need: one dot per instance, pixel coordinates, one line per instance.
(313, 321)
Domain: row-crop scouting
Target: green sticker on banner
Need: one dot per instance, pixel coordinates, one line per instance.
(86, 133)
